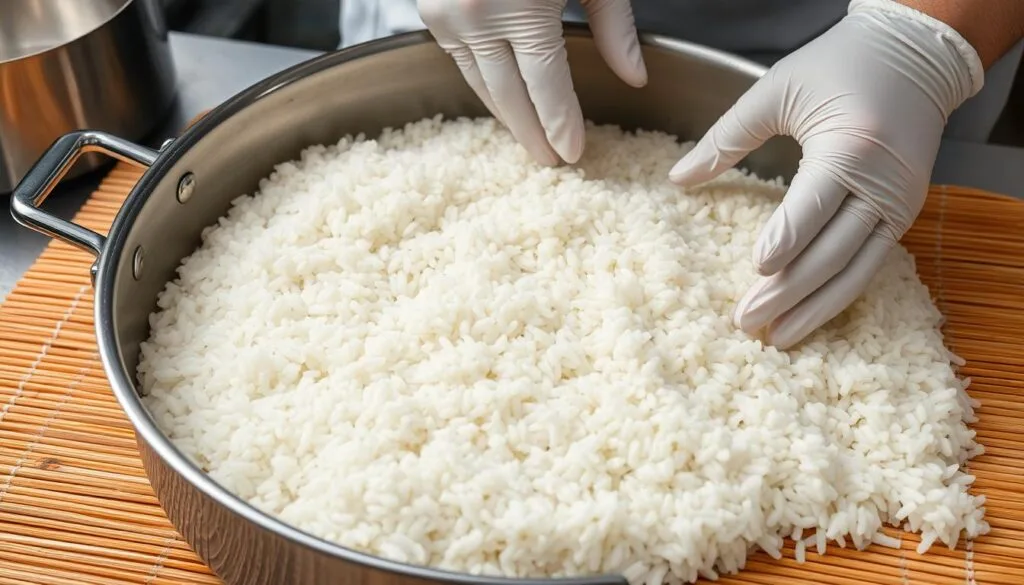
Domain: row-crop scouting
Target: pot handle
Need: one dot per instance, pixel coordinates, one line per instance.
(48, 171)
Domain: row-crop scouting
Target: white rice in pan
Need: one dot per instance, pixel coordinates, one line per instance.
(429, 348)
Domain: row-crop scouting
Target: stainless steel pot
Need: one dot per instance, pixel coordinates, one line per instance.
(190, 183)
(70, 65)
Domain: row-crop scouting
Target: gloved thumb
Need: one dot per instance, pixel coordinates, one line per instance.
(611, 22)
(744, 127)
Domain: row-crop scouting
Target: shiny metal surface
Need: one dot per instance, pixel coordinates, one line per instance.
(186, 186)
(33, 26)
(210, 71)
(40, 181)
(69, 65)
(362, 89)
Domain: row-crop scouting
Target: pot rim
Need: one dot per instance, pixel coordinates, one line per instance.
(121, 380)
(64, 43)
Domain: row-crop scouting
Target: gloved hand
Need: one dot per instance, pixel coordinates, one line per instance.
(512, 53)
(868, 101)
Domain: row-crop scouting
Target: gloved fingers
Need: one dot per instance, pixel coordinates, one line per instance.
(545, 69)
(500, 72)
(614, 30)
(825, 256)
(811, 201)
(463, 57)
(744, 127)
(833, 298)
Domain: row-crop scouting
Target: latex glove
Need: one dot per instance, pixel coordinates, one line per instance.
(512, 53)
(868, 101)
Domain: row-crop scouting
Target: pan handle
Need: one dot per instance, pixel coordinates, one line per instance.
(48, 171)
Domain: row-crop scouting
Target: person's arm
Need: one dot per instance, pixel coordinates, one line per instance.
(992, 27)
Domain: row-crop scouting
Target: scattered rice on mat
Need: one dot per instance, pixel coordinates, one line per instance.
(427, 347)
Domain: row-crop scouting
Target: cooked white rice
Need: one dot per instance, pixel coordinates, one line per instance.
(429, 348)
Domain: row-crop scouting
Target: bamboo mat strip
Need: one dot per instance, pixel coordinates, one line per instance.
(76, 509)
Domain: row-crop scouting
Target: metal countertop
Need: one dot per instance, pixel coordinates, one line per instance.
(211, 70)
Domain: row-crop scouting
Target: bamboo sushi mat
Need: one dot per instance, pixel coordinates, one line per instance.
(76, 509)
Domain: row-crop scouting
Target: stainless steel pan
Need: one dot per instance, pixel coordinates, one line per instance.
(69, 65)
(190, 183)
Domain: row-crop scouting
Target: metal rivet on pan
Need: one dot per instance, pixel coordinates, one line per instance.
(137, 262)
(166, 143)
(93, 270)
(186, 186)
